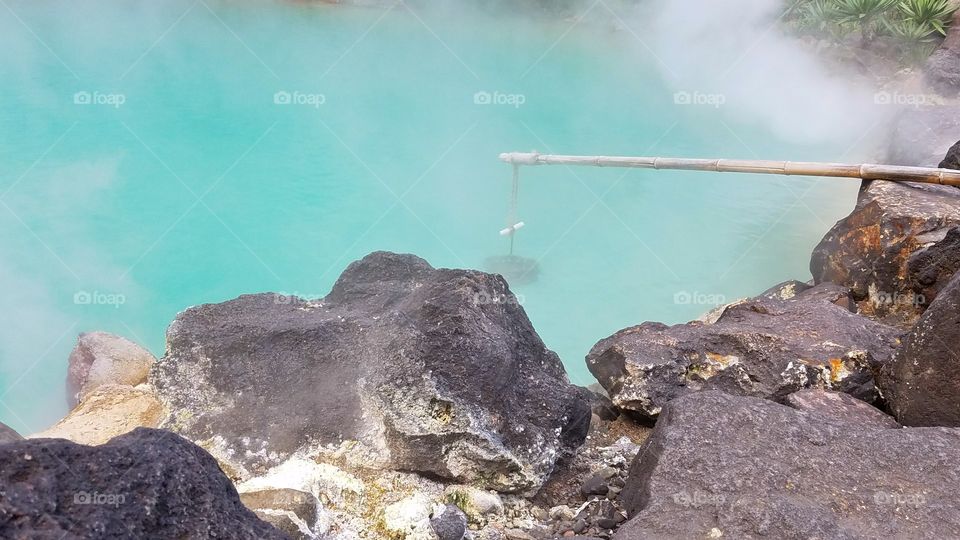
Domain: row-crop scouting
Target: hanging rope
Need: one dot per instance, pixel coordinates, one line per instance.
(514, 201)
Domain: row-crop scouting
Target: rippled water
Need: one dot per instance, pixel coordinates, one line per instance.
(148, 163)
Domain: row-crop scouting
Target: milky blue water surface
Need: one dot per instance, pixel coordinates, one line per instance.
(183, 181)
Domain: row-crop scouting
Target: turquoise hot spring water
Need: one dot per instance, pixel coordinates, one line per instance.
(155, 156)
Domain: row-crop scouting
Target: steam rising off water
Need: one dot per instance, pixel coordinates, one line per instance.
(262, 147)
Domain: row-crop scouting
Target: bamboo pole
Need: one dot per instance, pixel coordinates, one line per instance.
(893, 173)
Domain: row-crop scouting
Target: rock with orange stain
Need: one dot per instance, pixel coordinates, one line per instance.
(764, 347)
(889, 250)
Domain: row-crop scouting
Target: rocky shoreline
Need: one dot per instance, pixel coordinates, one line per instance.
(419, 403)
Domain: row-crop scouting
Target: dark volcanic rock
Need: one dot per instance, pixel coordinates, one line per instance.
(841, 407)
(594, 485)
(748, 468)
(930, 269)
(435, 371)
(450, 523)
(7, 434)
(762, 347)
(145, 484)
(870, 251)
(943, 66)
(922, 383)
(952, 159)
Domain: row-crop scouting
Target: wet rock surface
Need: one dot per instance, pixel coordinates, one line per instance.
(877, 251)
(774, 472)
(764, 347)
(432, 371)
(146, 484)
(922, 383)
(101, 358)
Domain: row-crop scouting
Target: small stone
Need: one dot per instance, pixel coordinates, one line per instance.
(606, 523)
(411, 514)
(608, 472)
(595, 485)
(517, 534)
(450, 523)
(540, 514)
(562, 513)
(580, 526)
(475, 503)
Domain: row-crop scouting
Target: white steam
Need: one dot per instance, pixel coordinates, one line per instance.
(738, 49)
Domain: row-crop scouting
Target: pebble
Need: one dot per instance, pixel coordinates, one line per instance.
(606, 523)
(595, 485)
(607, 472)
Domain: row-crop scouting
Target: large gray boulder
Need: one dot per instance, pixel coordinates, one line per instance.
(878, 250)
(101, 358)
(764, 347)
(145, 484)
(722, 466)
(433, 371)
(922, 383)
